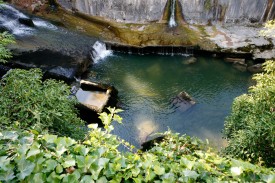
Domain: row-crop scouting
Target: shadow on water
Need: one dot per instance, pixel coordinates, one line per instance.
(147, 84)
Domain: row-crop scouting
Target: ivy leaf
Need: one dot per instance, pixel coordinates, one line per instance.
(102, 180)
(9, 135)
(38, 177)
(159, 170)
(236, 171)
(50, 165)
(268, 178)
(25, 168)
(7, 176)
(33, 151)
(59, 169)
(69, 161)
(191, 174)
(87, 179)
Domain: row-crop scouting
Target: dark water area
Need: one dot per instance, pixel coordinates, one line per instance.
(147, 84)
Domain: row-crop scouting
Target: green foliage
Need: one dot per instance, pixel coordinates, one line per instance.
(29, 103)
(250, 128)
(269, 29)
(5, 39)
(26, 157)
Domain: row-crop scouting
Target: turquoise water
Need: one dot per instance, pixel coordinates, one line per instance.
(148, 83)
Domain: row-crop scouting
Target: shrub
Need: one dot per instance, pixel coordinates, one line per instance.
(29, 103)
(5, 39)
(26, 157)
(250, 128)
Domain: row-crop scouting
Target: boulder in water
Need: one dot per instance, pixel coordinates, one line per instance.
(234, 60)
(257, 68)
(190, 60)
(26, 21)
(240, 66)
(183, 101)
(61, 73)
(3, 70)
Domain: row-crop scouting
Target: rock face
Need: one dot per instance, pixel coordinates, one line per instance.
(136, 11)
(193, 11)
(227, 11)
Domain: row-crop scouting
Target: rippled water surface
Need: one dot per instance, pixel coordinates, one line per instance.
(147, 84)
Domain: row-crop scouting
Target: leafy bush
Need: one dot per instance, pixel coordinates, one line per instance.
(29, 103)
(26, 157)
(250, 128)
(5, 39)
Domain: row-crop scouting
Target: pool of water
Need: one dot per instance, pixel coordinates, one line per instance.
(148, 83)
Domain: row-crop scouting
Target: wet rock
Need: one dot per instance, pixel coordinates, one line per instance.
(61, 73)
(26, 21)
(151, 143)
(235, 60)
(3, 70)
(93, 98)
(183, 101)
(190, 60)
(257, 68)
(240, 66)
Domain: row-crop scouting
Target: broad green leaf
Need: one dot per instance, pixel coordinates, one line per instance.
(93, 126)
(25, 168)
(80, 160)
(268, 178)
(87, 179)
(33, 151)
(38, 178)
(59, 169)
(50, 165)
(191, 174)
(68, 162)
(236, 171)
(159, 170)
(102, 180)
(7, 176)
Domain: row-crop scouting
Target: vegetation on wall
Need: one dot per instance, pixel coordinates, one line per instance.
(250, 128)
(29, 103)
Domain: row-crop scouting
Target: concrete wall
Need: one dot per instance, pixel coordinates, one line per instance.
(193, 11)
(123, 10)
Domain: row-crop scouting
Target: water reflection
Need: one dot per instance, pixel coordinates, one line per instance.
(147, 85)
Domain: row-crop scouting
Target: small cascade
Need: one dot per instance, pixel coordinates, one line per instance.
(99, 51)
(9, 20)
(172, 21)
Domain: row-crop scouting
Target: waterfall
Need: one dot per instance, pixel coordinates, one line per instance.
(9, 21)
(172, 21)
(99, 51)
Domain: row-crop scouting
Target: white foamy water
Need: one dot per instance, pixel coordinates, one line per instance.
(172, 21)
(44, 24)
(100, 51)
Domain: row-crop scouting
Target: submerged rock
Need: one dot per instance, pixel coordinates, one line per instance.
(183, 101)
(240, 66)
(235, 60)
(190, 60)
(61, 73)
(257, 68)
